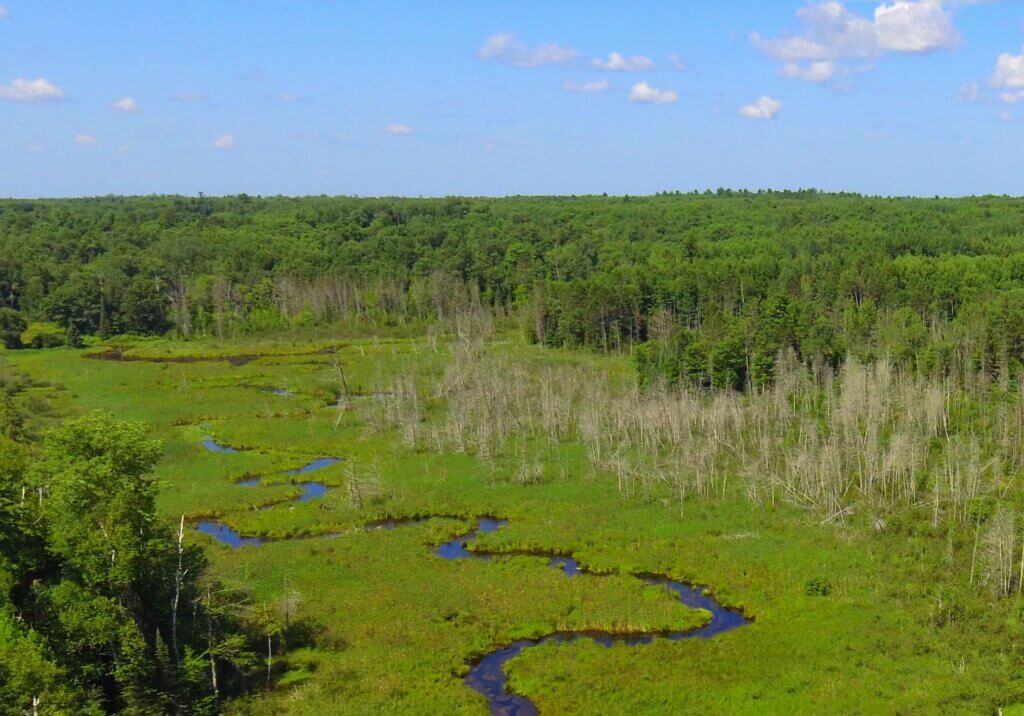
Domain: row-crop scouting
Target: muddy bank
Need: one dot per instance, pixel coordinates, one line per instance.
(119, 355)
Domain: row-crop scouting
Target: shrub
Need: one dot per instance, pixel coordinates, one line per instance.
(12, 325)
(818, 587)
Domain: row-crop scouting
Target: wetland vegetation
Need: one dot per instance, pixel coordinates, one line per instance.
(256, 454)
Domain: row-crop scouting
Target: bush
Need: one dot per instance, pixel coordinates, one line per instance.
(818, 587)
(43, 335)
(12, 325)
(47, 340)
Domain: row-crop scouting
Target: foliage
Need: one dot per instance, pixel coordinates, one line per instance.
(936, 285)
(92, 574)
(12, 325)
(391, 626)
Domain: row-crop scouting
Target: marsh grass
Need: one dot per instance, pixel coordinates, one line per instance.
(677, 482)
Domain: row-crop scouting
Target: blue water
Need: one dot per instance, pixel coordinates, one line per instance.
(310, 491)
(225, 535)
(319, 464)
(487, 676)
(313, 490)
(722, 619)
(567, 564)
(456, 548)
(215, 446)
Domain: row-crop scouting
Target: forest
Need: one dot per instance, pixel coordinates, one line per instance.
(313, 455)
(712, 285)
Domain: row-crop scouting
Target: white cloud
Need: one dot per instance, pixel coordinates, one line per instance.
(1007, 80)
(585, 87)
(128, 105)
(224, 141)
(643, 92)
(399, 130)
(678, 62)
(831, 31)
(1004, 116)
(22, 90)
(288, 97)
(969, 92)
(818, 71)
(915, 26)
(764, 108)
(1009, 72)
(619, 63)
(506, 47)
(4, 12)
(86, 139)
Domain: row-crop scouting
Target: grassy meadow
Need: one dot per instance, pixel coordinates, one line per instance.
(846, 619)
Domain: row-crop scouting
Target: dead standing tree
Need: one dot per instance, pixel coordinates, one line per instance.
(178, 296)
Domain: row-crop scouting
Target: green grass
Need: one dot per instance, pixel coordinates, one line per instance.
(395, 626)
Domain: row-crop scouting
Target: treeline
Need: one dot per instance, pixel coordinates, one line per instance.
(103, 607)
(720, 283)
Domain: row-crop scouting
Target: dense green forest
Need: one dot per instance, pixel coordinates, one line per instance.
(720, 282)
(103, 608)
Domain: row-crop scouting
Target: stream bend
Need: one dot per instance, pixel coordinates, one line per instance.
(486, 674)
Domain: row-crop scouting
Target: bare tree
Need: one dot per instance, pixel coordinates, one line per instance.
(998, 552)
(179, 577)
(180, 303)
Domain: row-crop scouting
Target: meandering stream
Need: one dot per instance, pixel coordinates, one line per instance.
(311, 490)
(487, 675)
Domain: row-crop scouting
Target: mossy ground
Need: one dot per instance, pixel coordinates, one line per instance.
(893, 630)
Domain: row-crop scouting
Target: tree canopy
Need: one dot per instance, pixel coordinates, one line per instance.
(733, 276)
(101, 608)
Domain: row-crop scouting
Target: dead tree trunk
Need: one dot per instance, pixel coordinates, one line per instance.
(209, 646)
(179, 576)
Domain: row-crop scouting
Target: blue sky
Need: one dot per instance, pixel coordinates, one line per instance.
(492, 98)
